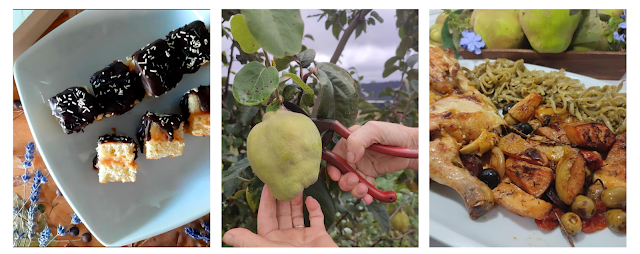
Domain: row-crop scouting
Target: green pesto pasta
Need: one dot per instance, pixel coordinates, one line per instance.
(505, 81)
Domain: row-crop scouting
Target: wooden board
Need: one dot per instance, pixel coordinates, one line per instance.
(605, 65)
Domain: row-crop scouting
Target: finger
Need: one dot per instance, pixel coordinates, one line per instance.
(240, 237)
(334, 173)
(348, 181)
(297, 216)
(316, 219)
(284, 215)
(367, 199)
(360, 190)
(267, 220)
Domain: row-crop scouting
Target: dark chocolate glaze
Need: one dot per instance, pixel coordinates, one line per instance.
(75, 108)
(116, 89)
(115, 138)
(192, 41)
(158, 67)
(168, 124)
(202, 93)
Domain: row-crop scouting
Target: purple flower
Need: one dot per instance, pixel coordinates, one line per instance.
(61, 231)
(32, 211)
(623, 25)
(624, 16)
(75, 220)
(26, 177)
(38, 177)
(472, 42)
(28, 155)
(618, 37)
(196, 234)
(44, 236)
(205, 225)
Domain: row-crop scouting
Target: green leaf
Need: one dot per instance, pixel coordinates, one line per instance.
(403, 47)
(366, 107)
(306, 57)
(412, 60)
(336, 29)
(273, 106)
(327, 105)
(230, 187)
(371, 21)
(388, 91)
(343, 18)
(309, 36)
(226, 143)
(388, 71)
(278, 31)
(283, 63)
(297, 79)
(377, 16)
(241, 34)
(401, 32)
(320, 192)
(414, 85)
(412, 74)
(447, 37)
(344, 93)
(235, 170)
(254, 82)
(308, 100)
(359, 29)
(237, 142)
(379, 212)
(238, 194)
(247, 113)
(391, 62)
(233, 128)
(289, 92)
(226, 115)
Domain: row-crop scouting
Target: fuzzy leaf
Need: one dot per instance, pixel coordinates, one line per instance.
(377, 16)
(379, 212)
(254, 82)
(412, 60)
(241, 34)
(279, 31)
(388, 71)
(306, 57)
(344, 93)
(327, 105)
(283, 63)
(273, 106)
(235, 170)
(298, 81)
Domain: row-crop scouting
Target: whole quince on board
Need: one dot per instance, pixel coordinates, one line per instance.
(549, 31)
(285, 151)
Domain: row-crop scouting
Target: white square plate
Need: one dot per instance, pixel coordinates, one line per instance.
(169, 192)
(449, 221)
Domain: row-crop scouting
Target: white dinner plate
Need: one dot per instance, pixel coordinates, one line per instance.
(450, 224)
(169, 192)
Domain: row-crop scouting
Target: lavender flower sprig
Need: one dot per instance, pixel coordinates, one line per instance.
(205, 225)
(44, 237)
(75, 219)
(196, 234)
(28, 156)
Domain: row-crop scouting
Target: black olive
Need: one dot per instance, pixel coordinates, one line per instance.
(491, 177)
(74, 231)
(525, 128)
(472, 163)
(86, 237)
(552, 197)
(507, 107)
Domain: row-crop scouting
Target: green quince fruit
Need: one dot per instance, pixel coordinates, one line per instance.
(435, 33)
(500, 29)
(549, 31)
(285, 151)
(400, 221)
(589, 35)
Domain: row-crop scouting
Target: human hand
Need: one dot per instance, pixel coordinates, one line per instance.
(281, 224)
(368, 163)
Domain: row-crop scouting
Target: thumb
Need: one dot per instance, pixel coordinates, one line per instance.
(241, 237)
(375, 132)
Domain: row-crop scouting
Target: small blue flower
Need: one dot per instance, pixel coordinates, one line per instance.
(624, 16)
(623, 25)
(26, 164)
(205, 225)
(618, 37)
(26, 177)
(472, 42)
(61, 231)
(15, 210)
(44, 236)
(32, 211)
(41, 178)
(75, 220)
(35, 196)
(195, 234)
(21, 235)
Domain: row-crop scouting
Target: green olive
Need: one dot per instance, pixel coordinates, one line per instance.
(583, 207)
(617, 220)
(615, 197)
(595, 191)
(571, 223)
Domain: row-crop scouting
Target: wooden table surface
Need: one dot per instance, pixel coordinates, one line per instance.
(57, 209)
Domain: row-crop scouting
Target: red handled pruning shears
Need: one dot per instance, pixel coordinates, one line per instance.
(332, 158)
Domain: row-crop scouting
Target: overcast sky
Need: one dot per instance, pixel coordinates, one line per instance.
(367, 53)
